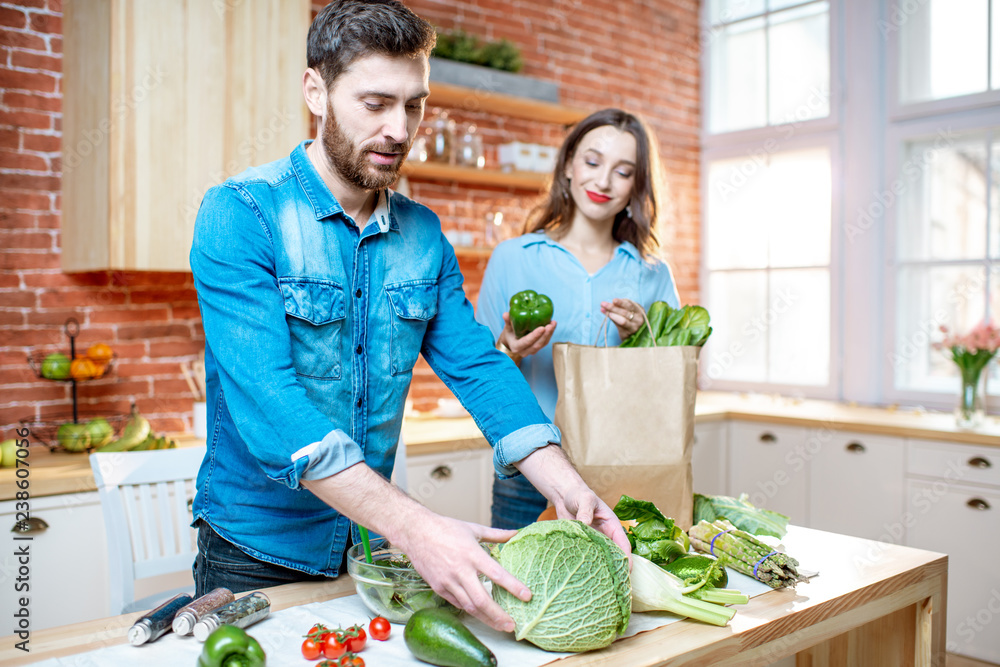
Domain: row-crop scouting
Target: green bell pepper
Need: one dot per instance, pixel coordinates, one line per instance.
(230, 646)
(528, 311)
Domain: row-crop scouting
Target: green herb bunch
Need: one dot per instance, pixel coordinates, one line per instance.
(460, 46)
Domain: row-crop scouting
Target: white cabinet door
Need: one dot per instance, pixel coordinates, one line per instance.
(708, 458)
(769, 464)
(456, 484)
(963, 522)
(66, 567)
(856, 484)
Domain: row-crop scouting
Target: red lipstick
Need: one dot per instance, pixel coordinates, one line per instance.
(597, 198)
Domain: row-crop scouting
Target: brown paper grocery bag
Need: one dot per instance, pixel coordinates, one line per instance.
(627, 421)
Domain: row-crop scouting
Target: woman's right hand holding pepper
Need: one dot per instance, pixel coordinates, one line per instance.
(528, 344)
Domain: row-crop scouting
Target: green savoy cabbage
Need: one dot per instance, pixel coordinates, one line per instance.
(581, 597)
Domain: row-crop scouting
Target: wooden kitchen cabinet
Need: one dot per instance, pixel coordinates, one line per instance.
(458, 484)
(708, 458)
(767, 462)
(856, 483)
(162, 101)
(953, 500)
(67, 565)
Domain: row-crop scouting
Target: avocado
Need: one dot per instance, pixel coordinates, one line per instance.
(437, 637)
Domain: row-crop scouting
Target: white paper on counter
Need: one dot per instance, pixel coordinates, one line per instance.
(281, 636)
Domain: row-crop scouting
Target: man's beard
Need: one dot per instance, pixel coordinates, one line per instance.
(352, 163)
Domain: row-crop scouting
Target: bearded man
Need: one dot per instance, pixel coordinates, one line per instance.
(318, 288)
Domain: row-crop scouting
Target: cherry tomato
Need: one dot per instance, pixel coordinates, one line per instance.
(351, 660)
(312, 649)
(355, 638)
(333, 646)
(379, 629)
(319, 633)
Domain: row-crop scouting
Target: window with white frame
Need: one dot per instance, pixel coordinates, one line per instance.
(770, 62)
(947, 250)
(947, 48)
(946, 226)
(768, 264)
(784, 138)
(767, 180)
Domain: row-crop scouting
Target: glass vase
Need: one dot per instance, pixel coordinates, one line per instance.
(970, 410)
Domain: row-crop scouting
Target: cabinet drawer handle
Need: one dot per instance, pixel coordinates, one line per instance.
(441, 472)
(768, 438)
(855, 448)
(979, 462)
(978, 504)
(32, 526)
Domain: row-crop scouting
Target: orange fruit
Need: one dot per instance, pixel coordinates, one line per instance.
(84, 368)
(100, 352)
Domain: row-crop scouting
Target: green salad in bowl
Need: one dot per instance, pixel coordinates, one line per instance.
(389, 586)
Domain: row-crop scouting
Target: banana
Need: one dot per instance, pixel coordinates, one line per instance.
(136, 430)
(147, 444)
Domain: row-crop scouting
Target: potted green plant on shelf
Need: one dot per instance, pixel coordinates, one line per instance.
(466, 60)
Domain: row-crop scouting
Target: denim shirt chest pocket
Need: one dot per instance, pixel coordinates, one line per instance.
(413, 304)
(315, 310)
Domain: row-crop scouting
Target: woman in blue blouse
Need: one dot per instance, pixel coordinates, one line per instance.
(591, 247)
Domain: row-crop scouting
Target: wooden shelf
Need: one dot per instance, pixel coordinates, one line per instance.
(472, 251)
(501, 104)
(527, 180)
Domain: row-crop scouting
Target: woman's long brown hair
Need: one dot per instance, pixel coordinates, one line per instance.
(555, 213)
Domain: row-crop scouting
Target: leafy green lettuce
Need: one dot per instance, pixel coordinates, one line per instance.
(741, 513)
(581, 596)
(654, 536)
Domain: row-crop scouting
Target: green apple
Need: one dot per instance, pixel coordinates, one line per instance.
(8, 453)
(73, 437)
(100, 431)
(56, 366)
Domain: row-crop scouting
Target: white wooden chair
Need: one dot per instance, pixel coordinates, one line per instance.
(145, 501)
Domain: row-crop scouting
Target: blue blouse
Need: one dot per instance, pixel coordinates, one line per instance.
(535, 261)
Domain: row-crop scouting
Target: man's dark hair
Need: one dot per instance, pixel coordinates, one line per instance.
(346, 30)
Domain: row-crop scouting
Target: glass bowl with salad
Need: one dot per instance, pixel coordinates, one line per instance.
(389, 586)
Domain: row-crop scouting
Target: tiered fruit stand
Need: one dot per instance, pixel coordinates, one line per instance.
(58, 367)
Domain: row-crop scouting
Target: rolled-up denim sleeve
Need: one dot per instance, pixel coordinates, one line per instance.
(243, 315)
(520, 444)
(461, 351)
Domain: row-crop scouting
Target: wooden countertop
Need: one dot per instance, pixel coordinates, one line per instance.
(880, 601)
(895, 421)
(61, 472)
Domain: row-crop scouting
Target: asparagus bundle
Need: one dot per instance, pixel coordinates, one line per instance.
(745, 553)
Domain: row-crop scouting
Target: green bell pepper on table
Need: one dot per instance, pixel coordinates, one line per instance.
(230, 646)
(528, 311)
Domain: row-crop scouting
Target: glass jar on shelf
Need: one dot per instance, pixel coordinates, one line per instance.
(441, 138)
(469, 148)
(418, 151)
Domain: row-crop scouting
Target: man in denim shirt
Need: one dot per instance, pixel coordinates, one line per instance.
(318, 288)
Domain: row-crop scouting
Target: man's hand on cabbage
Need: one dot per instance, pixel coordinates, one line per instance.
(554, 476)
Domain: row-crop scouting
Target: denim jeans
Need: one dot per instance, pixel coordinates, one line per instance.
(516, 503)
(220, 563)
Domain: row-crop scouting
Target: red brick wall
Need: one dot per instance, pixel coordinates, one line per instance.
(634, 54)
